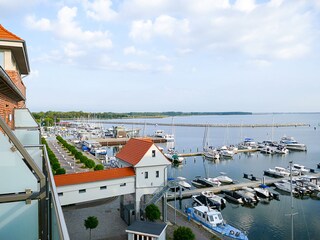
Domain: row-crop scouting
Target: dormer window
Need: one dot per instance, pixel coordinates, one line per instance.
(153, 153)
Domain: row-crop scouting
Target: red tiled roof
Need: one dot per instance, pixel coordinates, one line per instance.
(6, 35)
(134, 150)
(86, 177)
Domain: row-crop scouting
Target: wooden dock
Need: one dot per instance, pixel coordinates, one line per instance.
(232, 187)
(209, 125)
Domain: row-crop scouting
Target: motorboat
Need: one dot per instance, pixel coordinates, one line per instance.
(213, 220)
(281, 149)
(300, 168)
(248, 196)
(274, 173)
(169, 137)
(224, 179)
(211, 153)
(285, 186)
(214, 182)
(263, 191)
(199, 182)
(174, 157)
(248, 144)
(183, 183)
(283, 171)
(214, 197)
(225, 152)
(292, 144)
(232, 196)
(268, 149)
(201, 200)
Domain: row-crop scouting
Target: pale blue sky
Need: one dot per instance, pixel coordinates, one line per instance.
(169, 55)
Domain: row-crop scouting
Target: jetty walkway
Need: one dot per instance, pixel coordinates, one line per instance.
(189, 193)
(208, 124)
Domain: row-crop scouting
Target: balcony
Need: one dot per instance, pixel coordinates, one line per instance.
(29, 204)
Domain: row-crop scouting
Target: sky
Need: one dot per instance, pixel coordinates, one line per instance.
(169, 55)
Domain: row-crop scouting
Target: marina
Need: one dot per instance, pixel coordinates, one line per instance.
(268, 218)
(243, 161)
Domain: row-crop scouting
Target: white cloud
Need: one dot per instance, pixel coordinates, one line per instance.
(245, 5)
(162, 58)
(72, 50)
(136, 66)
(133, 51)
(141, 30)
(165, 69)
(42, 24)
(100, 10)
(163, 25)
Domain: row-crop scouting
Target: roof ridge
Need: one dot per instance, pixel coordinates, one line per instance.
(12, 36)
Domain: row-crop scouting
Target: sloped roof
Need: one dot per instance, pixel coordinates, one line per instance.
(86, 177)
(7, 35)
(148, 228)
(134, 150)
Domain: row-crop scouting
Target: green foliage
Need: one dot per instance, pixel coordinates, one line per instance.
(91, 223)
(60, 171)
(98, 167)
(152, 212)
(183, 233)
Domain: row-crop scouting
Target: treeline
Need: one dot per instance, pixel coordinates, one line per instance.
(51, 117)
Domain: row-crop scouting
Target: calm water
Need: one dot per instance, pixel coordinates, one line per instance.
(267, 220)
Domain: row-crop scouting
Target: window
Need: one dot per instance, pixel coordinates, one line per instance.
(153, 153)
(123, 184)
(60, 194)
(145, 175)
(82, 191)
(157, 174)
(103, 187)
(2, 59)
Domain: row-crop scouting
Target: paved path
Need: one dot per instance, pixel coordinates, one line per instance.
(66, 161)
(110, 227)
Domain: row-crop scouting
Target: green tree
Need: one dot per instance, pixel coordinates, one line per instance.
(90, 223)
(98, 167)
(60, 171)
(183, 233)
(152, 212)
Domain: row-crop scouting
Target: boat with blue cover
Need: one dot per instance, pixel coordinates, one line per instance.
(213, 220)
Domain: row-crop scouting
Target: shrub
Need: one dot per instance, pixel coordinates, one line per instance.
(152, 212)
(98, 167)
(183, 233)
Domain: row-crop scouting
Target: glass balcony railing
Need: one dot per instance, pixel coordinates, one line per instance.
(29, 204)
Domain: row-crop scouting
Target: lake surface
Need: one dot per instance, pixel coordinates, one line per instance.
(267, 220)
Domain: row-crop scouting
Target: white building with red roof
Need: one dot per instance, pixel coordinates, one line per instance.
(143, 171)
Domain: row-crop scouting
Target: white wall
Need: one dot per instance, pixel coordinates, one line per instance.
(152, 180)
(71, 193)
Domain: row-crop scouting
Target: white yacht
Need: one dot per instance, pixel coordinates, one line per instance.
(183, 183)
(211, 153)
(225, 152)
(263, 191)
(292, 144)
(214, 182)
(224, 179)
(300, 168)
(214, 197)
(285, 186)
